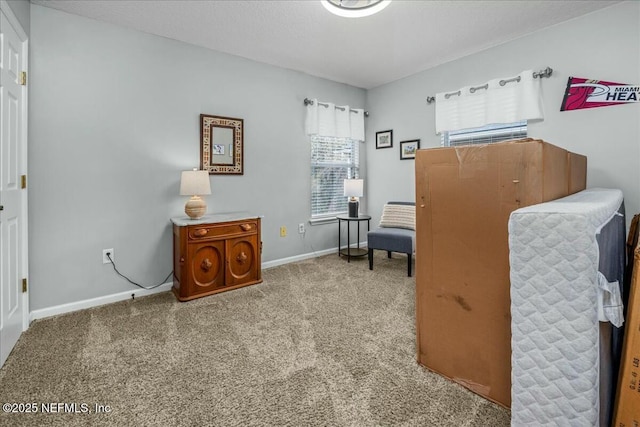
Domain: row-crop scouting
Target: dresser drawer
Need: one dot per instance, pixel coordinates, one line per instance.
(207, 231)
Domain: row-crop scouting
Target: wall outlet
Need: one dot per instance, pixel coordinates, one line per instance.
(283, 231)
(105, 258)
(301, 228)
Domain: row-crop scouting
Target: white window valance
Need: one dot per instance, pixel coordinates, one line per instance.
(505, 100)
(338, 121)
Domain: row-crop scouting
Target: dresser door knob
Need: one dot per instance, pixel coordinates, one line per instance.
(206, 265)
(241, 258)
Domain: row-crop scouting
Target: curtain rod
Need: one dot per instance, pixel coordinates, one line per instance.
(308, 101)
(536, 74)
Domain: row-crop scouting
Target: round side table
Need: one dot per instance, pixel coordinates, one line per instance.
(349, 251)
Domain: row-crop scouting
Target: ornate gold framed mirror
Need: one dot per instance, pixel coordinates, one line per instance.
(221, 145)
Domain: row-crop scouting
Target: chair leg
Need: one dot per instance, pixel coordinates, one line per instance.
(409, 264)
(370, 259)
(388, 254)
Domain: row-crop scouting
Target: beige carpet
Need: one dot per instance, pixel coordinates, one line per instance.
(319, 343)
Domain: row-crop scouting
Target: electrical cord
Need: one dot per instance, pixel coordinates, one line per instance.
(113, 264)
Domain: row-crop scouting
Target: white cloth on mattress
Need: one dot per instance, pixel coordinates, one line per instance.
(610, 305)
(554, 308)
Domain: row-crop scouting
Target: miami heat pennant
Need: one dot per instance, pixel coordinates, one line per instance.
(585, 93)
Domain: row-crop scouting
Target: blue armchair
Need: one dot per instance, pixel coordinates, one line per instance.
(396, 232)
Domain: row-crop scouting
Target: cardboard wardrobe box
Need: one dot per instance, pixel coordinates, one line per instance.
(627, 406)
(464, 196)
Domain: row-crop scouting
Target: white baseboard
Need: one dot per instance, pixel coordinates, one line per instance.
(282, 261)
(302, 257)
(94, 302)
(121, 296)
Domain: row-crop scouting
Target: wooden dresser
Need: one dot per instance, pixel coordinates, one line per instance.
(215, 253)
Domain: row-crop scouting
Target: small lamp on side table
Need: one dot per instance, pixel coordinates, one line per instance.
(353, 188)
(195, 183)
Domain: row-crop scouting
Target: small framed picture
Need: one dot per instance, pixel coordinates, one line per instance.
(384, 139)
(217, 149)
(408, 149)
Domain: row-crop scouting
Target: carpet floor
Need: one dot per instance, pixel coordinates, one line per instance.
(320, 342)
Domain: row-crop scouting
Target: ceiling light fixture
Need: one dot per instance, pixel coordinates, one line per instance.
(354, 8)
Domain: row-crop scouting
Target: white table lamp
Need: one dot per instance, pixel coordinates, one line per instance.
(195, 183)
(353, 188)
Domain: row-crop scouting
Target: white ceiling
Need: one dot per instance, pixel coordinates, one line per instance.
(407, 37)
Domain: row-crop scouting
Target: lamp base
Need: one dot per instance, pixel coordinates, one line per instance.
(353, 208)
(195, 207)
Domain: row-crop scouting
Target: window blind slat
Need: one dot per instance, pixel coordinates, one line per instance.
(485, 135)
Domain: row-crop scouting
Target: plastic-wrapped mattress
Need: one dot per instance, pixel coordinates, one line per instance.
(564, 287)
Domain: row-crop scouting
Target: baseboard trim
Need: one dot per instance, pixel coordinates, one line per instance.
(95, 302)
(122, 296)
(302, 257)
(309, 255)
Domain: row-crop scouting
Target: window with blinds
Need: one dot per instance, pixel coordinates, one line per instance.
(485, 134)
(332, 161)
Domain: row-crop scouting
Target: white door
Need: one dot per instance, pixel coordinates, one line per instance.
(13, 199)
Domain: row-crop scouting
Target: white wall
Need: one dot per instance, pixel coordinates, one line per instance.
(114, 118)
(603, 45)
(20, 9)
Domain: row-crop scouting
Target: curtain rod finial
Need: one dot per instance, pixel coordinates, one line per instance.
(543, 73)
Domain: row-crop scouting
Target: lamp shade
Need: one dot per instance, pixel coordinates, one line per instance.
(195, 183)
(353, 187)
